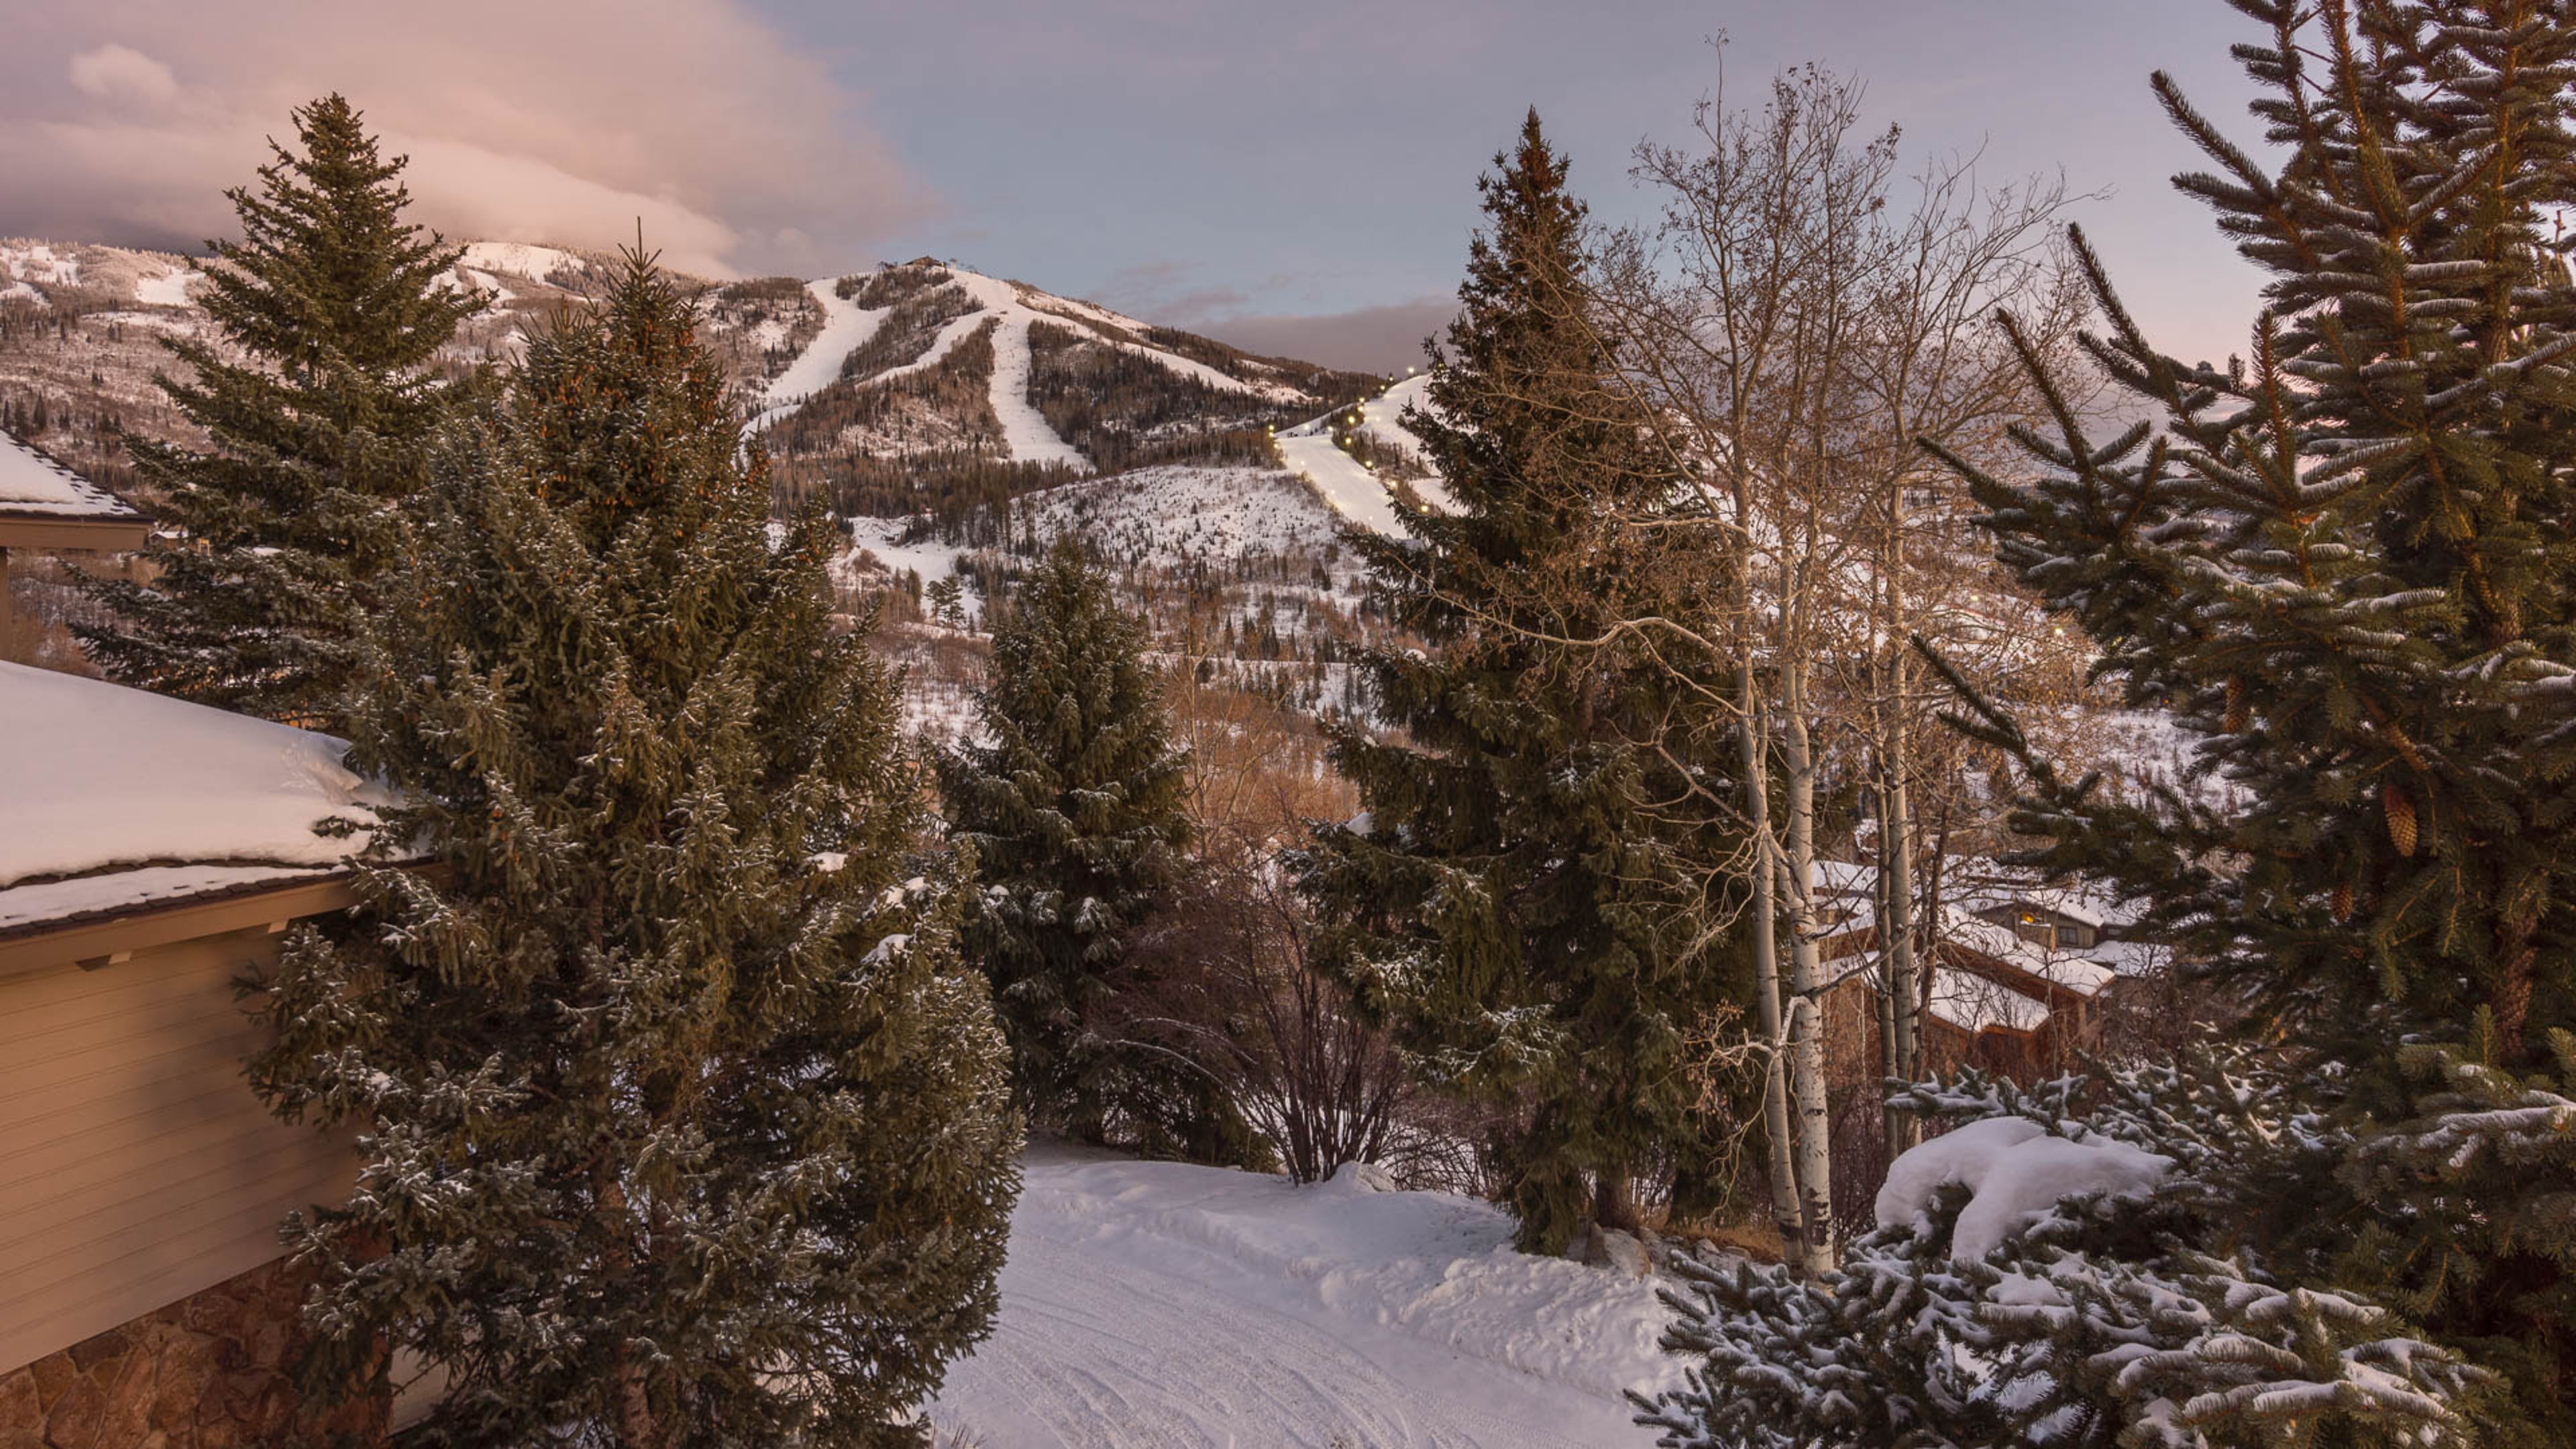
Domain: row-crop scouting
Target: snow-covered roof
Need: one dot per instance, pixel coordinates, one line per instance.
(2068, 968)
(1843, 877)
(35, 486)
(1974, 1004)
(112, 797)
(117, 892)
(2082, 901)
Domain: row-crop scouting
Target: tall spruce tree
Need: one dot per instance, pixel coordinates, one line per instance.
(319, 406)
(2343, 565)
(2347, 565)
(683, 1123)
(1510, 897)
(1073, 806)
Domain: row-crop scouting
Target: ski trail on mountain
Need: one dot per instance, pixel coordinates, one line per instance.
(1009, 312)
(847, 326)
(1025, 430)
(1309, 451)
(1355, 491)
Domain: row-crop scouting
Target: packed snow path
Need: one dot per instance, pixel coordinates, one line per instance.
(1159, 1305)
(847, 326)
(1354, 490)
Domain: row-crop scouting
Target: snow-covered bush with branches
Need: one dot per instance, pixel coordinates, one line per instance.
(2058, 1269)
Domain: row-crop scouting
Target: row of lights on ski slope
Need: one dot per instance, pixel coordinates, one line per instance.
(1272, 429)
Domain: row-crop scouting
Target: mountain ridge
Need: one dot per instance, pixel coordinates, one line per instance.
(908, 387)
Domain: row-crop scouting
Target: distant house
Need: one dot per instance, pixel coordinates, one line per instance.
(152, 852)
(2015, 973)
(46, 508)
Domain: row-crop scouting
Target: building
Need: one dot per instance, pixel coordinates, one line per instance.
(46, 508)
(152, 854)
(2016, 972)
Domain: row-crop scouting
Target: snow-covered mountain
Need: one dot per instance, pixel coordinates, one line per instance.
(893, 390)
(900, 321)
(982, 410)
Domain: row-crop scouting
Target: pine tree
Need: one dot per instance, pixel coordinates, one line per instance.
(947, 600)
(1509, 897)
(319, 405)
(1073, 808)
(684, 1124)
(2112, 1319)
(2345, 565)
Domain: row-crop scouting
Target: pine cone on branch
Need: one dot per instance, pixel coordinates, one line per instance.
(2401, 817)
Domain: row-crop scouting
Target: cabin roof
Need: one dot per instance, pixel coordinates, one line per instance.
(117, 799)
(33, 485)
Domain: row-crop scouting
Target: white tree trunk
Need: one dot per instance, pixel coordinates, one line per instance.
(1897, 933)
(1806, 973)
(1786, 1211)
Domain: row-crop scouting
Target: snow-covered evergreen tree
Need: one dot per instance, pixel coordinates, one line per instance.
(682, 1122)
(2344, 565)
(1510, 897)
(318, 406)
(1073, 805)
(2054, 1273)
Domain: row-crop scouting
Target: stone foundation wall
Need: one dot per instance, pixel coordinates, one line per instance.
(210, 1371)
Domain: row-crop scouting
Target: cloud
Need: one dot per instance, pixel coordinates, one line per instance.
(565, 122)
(1368, 339)
(1165, 290)
(114, 72)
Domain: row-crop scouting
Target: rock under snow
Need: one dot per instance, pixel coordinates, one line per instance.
(1363, 1177)
(2014, 1172)
(1623, 1253)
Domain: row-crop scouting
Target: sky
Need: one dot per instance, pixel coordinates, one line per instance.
(1291, 178)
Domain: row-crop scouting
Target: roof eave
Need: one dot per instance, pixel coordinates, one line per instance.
(72, 532)
(99, 938)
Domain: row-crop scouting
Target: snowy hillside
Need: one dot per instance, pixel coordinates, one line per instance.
(926, 386)
(1156, 1305)
(82, 327)
(1169, 517)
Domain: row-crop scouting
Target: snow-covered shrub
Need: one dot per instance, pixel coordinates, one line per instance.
(2058, 1270)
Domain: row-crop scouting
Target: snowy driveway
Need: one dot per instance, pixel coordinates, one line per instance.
(1155, 1304)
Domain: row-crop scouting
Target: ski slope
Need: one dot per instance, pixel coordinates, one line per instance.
(537, 264)
(1352, 488)
(170, 289)
(847, 326)
(1157, 1305)
(1006, 311)
(1026, 437)
(1025, 430)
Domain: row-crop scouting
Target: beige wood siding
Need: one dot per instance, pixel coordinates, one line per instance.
(136, 1166)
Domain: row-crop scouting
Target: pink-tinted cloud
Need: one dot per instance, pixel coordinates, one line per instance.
(562, 121)
(117, 73)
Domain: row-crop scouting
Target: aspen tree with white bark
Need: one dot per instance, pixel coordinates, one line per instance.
(1794, 327)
